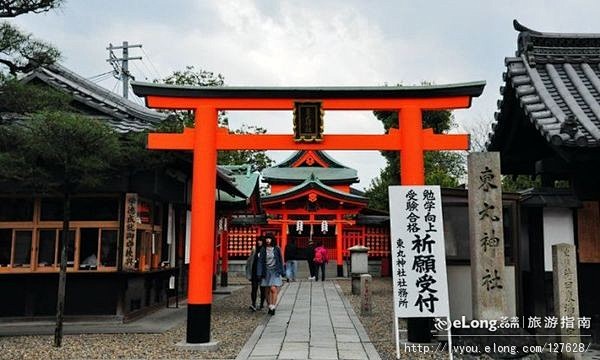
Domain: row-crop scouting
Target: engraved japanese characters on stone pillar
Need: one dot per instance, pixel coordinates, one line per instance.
(486, 236)
(566, 298)
(366, 296)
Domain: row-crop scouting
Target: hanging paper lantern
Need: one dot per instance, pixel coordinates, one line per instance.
(324, 226)
(299, 226)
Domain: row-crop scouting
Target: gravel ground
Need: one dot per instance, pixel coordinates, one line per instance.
(232, 324)
(380, 325)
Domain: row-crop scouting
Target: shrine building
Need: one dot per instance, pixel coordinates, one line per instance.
(312, 198)
(548, 125)
(126, 250)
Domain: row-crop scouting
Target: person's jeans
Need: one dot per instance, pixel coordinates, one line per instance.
(291, 267)
(322, 268)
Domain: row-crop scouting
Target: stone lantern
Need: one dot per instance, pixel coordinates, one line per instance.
(359, 265)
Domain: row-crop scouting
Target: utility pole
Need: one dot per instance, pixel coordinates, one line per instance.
(122, 69)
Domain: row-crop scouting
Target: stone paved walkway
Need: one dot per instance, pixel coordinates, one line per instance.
(313, 320)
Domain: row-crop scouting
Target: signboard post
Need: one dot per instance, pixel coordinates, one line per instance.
(418, 255)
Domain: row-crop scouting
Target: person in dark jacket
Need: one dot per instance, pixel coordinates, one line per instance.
(310, 255)
(270, 270)
(291, 257)
(252, 275)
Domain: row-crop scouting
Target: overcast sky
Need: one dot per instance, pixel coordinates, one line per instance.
(302, 43)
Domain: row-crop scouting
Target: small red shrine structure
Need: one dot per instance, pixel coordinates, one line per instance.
(312, 198)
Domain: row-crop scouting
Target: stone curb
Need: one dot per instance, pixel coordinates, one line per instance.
(360, 329)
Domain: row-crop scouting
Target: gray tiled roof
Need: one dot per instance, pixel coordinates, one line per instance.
(555, 79)
(321, 154)
(335, 173)
(313, 182)
(121, 114)
(299, 174)
(242, 178)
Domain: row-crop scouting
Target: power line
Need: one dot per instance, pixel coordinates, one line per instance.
(152, 64)
(147, 68)
(135, 98)
(140, 71)
(100, 75)
(102, 78)
(115, 87)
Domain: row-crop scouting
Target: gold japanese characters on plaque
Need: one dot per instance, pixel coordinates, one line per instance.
(308, 121)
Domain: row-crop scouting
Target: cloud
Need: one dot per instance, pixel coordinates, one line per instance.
(299, 42)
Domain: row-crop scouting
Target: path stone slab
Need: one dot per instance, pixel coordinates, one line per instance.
(312, 321)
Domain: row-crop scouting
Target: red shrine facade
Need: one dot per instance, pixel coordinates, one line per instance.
(312, 199)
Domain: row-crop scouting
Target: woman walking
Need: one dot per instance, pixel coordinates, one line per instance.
(252, 275)
(270, 270)
(320, 260)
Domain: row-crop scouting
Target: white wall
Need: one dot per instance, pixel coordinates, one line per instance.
(558, 228)
(459, 291)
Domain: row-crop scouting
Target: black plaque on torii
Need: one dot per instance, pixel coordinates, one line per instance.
(308, 121)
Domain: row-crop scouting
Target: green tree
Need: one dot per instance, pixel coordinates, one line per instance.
(14, 8)
(520, 182)
(22, 98)
(20, 52)
(191, 76)
(442, 168)
(61, 153)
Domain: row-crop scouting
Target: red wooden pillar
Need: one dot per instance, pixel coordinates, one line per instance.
(411, 156)
(338, 245)
(284, 234)
(204, 177)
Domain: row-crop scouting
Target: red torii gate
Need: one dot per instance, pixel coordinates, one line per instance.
(206, 138)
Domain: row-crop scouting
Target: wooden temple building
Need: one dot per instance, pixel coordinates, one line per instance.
(548, 125)
(312, 198)
(127, 249)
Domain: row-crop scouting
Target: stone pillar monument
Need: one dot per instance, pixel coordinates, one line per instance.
(566, 295)
(486, 236)
(366, 296)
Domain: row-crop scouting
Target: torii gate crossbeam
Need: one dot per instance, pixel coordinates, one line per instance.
(206, 138)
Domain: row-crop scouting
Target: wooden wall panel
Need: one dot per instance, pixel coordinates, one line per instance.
(588, 232)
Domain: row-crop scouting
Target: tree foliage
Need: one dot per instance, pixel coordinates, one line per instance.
(23, 98)
(20, 53)
(520, 182)
(14, 8)
(193, 77)
(442, 168)
(57, 152)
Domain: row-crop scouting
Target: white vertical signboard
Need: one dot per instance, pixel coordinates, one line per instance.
(418, 253)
